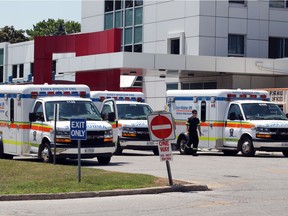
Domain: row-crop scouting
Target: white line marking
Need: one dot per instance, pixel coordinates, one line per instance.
(161, 127)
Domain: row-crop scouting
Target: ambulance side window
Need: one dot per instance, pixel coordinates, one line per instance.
(38, 109)
(234, 112)
(203, 111)
(107, 108)
(12, 110)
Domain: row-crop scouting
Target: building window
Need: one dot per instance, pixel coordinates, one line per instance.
(21, 70)
(171, 86)
(108, 5)
(202, 85)
(126, 14)
(138, 48)
(1, 74)
(278, 3)
(32, 69)
(108, 21)
(1, 56)
(138, 82)
(243, 2)
(236, 45)
(14, 71)
(278, 47)
(175, 46)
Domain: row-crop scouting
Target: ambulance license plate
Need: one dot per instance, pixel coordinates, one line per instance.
(89, 150)
(150, 143)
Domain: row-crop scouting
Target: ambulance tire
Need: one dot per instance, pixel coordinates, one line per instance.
(118, 150)
(246, 146)
(2, 154)
(183, 149)
(45, 153)
(103, 160)
(285, 153)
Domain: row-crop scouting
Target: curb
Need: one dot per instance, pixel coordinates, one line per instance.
(122, 192)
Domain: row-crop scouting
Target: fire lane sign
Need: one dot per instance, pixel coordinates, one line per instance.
(161, 126)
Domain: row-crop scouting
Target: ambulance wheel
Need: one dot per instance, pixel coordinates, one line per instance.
(2, 154)
(247, 147)
(103, 160)
(285, 153)
(183, 148)
(45, 153)
(118, 150)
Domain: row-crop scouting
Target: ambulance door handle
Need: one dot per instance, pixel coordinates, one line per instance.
(211, 125)
(225, 124)
(9, 125)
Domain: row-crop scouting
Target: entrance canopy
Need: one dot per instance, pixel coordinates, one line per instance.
(172, 65)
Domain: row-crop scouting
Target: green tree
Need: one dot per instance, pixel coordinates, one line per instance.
(10, 34)
(53, 27)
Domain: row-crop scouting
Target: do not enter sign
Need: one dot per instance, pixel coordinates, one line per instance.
(161, 126)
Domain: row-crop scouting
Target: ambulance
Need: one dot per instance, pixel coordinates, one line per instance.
(131, 116)
(231, 120)
(27, 126)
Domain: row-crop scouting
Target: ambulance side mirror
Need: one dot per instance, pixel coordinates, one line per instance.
(36, 116)
(32, 117)
(111, 117)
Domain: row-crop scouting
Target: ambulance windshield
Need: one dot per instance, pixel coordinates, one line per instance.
(263, 111)
(133, 111)
(73, 109)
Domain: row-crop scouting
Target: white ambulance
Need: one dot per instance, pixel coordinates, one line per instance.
(27, 123)
(231, 120)
(131, 113)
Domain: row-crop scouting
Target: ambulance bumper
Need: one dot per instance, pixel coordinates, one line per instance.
(138, 144)
(86, 151)
(270, 146)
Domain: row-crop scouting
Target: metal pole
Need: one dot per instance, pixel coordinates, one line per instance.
(79, 160)
(55, 123)
(169, 172)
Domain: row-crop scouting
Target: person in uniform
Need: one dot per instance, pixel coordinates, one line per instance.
(193, 124)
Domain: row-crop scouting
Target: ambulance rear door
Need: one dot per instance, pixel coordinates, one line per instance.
(13, 127)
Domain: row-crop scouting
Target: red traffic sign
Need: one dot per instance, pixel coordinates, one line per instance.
(161, 126)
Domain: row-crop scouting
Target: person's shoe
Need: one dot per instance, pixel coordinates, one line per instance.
(194, 154)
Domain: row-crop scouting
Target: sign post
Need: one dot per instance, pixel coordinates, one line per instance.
(78, 132)
(162, 129)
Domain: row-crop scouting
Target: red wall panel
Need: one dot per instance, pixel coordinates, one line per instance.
(82, 44)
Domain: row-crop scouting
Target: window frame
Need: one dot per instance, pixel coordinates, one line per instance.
(236, 52)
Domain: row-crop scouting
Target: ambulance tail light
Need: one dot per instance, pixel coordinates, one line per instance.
(102, 98)
(127, 98)
(83, 94)
(139, 99)
(263, 97)
(243, 96)
(253, 96)
(34, 94)
(50, 93)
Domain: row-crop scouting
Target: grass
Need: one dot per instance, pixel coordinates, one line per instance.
(26, 177)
